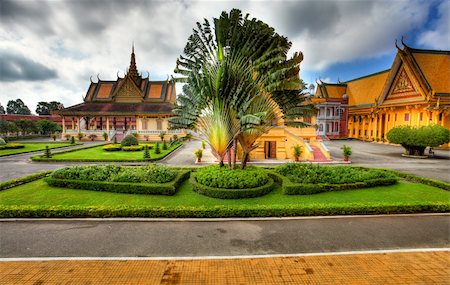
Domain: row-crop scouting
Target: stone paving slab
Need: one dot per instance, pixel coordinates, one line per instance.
(374, 268)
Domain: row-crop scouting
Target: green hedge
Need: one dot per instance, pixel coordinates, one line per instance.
(19, 181)
(216, 212)
(224, 177)
(223, 193)
(417, 179)
(112, 147)
(291, 188)
(133, 148)
(168, 188)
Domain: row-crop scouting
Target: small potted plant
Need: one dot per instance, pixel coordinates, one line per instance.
(67, 137)
(146, 138)
(161, 135)
(72, 140)
(188, 137)
(203, 144)
(80, 136)
(53, 136)
(198, 154)
(92, 137)
(297, 152)
(105, 136)
(346, 151)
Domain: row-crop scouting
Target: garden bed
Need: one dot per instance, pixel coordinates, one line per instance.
(96, 153)
(305, 179)
(148, 179)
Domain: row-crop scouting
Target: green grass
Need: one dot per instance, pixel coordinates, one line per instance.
(31, 147)
(38, 193)
(98, 154)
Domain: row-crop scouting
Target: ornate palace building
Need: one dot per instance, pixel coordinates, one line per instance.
(131, 104)
(415, 91)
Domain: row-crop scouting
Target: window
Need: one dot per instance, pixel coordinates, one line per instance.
(395, 117)
(320, 127)
(336, 126)
(353, 131)
(406, 117)
(421, 116)
(365, 133)
(440, 117)
(389, 117)
(354, 119)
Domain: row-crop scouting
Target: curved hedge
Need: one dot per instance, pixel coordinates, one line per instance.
(112, 147)
(224, 177)
(224, 193)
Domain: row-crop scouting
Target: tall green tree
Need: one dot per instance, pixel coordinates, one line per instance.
(44, 108)
(237, 71)
(26, 126)
(17, 107)
(47, 127)
(2, 110)
(7, 127)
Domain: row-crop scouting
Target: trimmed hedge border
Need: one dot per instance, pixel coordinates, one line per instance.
(19, 181)
(216, 212)
(223, 193)
(417, 179)
(291, 188)
(39, 158)
(49, 143)
(169, 188)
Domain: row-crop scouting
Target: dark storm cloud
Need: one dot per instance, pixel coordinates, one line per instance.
(15, 67)
(34, 15)
(318, 17)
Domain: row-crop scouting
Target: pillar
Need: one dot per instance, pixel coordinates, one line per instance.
(78, 124)
(73, 124)
(63, 124)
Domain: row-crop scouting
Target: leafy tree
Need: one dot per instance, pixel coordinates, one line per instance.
(7, 127)
(238, 76)
(415, 140)
(44, 108)
(26, 126)
(2, 110)
(17, 107)
(47, 152)
(157, 149)
(47, 127)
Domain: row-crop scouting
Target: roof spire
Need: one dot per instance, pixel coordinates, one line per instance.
(132, 71)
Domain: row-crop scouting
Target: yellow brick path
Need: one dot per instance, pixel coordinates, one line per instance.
(379, 268)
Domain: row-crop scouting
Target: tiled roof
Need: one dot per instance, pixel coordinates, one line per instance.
(436, 69)
(366, 90)
(117, 108)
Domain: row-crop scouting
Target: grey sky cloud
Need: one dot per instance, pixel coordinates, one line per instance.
(14, 67)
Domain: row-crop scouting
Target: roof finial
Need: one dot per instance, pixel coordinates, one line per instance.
(132, 70)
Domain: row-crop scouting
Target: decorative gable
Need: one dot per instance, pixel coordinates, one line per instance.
(403, 88)
(128, 92)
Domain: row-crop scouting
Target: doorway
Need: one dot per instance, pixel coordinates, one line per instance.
(270, 149)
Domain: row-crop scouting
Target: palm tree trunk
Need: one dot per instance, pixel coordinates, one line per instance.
(234, 152)
(244, 160)
(229, 157)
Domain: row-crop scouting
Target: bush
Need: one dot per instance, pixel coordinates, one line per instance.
(164, 146)
(307, 179)
(133, 148)
(157, 149)
(129, 140)
(105, 136)
(80, 136)
(72, 140)
(112, 147)
(146, 155)
(67, 136)
(92, 137)
(13, 145)
(47, 152)
(223, 177)
(346, 150)
(198, 153)
(2, 141)
(136, 174)
(223, 193)
(415, 140)
(53, 136)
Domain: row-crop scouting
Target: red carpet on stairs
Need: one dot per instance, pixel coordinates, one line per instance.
(318, 155)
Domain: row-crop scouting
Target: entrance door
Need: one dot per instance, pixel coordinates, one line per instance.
(270, 149)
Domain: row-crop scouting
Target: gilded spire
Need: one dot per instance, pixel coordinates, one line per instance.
(132, 71)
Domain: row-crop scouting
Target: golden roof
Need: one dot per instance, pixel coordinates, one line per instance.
(366, 90)
(436, 69)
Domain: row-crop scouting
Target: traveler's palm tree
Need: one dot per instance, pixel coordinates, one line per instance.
(238, 76)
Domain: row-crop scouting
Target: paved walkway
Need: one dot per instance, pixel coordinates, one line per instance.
(375, 268)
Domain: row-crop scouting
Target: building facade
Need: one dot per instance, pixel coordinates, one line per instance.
(131, 104)
(415, 91)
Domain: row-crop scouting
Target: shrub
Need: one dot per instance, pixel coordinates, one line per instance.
(415, 140)
(2, 141)
(80, 136)
(203, 144)
(67, 137)
(105, 136)
(161, 135)
(13, 146)
(72, 140)
(146, 155)
(47, 152)
(297, 151)
(223, 177)
(175, 138)
(133, 148)
(92, 137)
(129, 140)
(198, 153)
(112, 147)
(310, 174)
(157, 150)
(346, 150)
(164, 146)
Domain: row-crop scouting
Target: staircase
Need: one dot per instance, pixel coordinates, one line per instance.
(318, 155)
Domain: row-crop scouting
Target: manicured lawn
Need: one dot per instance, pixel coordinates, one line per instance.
(98, 154)
(30, 147)
(38, 195)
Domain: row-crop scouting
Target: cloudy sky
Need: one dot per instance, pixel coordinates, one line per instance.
(49, 49)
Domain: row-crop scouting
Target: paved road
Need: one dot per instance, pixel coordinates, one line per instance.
(102, 238)
(389, 156)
